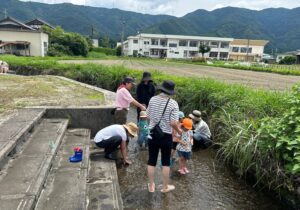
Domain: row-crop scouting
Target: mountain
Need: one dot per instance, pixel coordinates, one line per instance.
(280, 26)
(81, 19)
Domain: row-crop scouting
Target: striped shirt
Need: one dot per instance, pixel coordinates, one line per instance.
(155, 109)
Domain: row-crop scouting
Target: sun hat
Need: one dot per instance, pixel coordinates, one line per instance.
(168, 87)
(195, 115)
(131, 128)
(187, 123)
(143, 114)
(181, 115)
(146, 76)
(128, 80)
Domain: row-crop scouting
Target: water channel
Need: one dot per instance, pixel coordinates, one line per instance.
(210, 185)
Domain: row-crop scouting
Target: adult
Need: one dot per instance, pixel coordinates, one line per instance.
(123, 101)
(113, 136)
(162, 111)
(145, 91)
(202, 134)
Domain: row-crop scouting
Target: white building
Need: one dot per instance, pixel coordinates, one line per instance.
(177, 46)
(21, 39)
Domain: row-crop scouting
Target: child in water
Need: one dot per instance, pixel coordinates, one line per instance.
(143, 130)
(184, 147)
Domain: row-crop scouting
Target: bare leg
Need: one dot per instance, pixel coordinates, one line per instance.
(151, 173)
(181, 163)
(166, 175)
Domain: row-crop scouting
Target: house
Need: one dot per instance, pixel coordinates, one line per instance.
(175, 46)
(247, 50)
(178, 46)
(21, 39)
(38, 23)
(291, 53)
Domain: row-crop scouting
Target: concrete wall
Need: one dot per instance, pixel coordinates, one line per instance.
(91, 118)
(36, 40)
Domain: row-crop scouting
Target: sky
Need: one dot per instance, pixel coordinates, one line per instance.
(178, 7)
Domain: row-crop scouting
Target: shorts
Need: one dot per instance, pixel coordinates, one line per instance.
(185, 155)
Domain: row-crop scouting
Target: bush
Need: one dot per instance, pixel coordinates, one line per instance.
(119, 50)
(199, 59)
(288, 60)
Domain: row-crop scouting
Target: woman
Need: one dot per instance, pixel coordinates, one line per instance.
(163, 112)
(144, 91)
(123, 101)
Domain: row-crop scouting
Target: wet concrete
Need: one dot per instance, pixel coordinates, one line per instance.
(210, 185)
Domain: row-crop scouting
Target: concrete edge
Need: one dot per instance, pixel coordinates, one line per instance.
(41, 176)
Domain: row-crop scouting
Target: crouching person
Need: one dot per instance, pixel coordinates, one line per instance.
(201, 133)
(113, 136)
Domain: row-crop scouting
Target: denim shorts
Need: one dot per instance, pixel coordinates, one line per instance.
(186, 155)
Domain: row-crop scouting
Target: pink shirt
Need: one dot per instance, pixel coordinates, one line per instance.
(123, 99)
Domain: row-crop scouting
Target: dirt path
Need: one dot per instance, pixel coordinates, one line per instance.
(254, 79)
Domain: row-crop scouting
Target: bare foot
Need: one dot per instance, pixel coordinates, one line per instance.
(170, 188)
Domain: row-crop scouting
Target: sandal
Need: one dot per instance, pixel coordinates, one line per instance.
(181, 171)
(186, 170)
(170, 188)
(149, 189)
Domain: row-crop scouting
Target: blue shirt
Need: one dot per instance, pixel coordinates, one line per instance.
(143, 127)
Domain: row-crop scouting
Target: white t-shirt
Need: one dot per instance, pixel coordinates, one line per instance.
(110, 131)
(202, 128)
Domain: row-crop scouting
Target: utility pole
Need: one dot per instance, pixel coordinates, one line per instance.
(248, 42)
(122, 38)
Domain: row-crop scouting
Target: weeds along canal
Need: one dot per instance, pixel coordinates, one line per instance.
(210, 185)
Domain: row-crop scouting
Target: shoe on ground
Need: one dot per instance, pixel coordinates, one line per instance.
(110, 156)
(181, 171)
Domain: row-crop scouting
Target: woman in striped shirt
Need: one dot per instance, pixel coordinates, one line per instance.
(162, 110)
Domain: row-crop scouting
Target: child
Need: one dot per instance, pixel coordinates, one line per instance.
(143, 129)
(174, 135)
(184, 146)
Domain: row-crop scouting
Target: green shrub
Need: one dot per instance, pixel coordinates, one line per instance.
(288, 60)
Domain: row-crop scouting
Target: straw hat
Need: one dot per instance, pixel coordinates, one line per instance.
(131, 128)
(143, 114)
(187, 123)
(195, 115)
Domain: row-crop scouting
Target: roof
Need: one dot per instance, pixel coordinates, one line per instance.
(252, 42)
(9, 21)
(166, 36)
(38, 22)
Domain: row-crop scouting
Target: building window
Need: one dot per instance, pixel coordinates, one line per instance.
(225, 45)
(182, 43)
(193, 53)
(193, 43)
(177, 53)
(235, 49)
(154, 52)
(205, 43)
(223, 55)
(146, 42)
(134, 53)
(185, 53)
(214, 44)
(45, 47)
(244, 50)
(213, 54)
(163, 42)
(172, 45)
(154, 41)
(20, 47)
(146, 53)
(135, 41)
(250, 50)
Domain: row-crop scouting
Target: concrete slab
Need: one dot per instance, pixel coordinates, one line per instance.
(15, 130)
(26, 202)
(26, 174)
(66, 184)
(103, 185)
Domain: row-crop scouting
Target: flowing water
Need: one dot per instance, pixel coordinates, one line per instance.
(209, 185)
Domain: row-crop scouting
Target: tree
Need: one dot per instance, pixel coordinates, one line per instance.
(119, 50)
(204, 49)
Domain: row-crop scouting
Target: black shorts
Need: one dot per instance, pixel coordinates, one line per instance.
(164, 145)
(174, 145)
